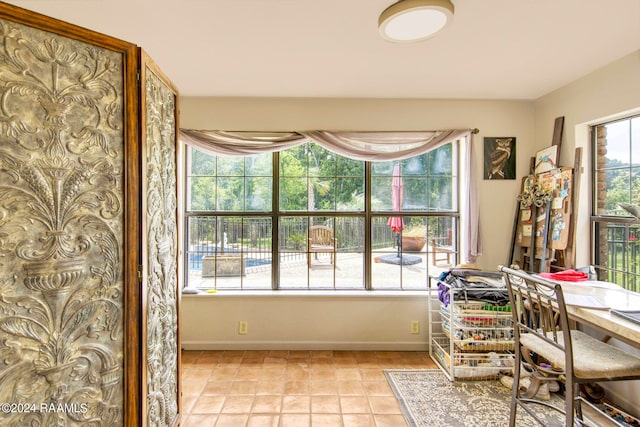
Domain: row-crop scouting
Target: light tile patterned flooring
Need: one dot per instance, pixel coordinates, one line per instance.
(293, 388)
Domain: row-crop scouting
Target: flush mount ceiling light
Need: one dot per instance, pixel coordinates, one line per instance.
(414, 20)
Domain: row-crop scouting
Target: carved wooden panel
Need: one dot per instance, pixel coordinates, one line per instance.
(160, 249)
(62, 208)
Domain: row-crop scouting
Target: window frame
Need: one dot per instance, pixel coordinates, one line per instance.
(615, 238)
(367, 214)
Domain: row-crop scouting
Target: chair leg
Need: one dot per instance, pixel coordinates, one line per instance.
(577, 404)
(570, 393)
(515, 391)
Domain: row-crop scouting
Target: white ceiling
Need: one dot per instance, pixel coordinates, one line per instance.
(495, 49)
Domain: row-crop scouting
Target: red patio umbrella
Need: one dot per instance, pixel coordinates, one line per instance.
(396, 222)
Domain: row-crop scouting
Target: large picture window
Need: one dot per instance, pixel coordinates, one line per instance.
(616, 172)
(308, 218)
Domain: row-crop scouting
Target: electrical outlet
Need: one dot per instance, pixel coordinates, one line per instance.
(415, 326)
(243, 327)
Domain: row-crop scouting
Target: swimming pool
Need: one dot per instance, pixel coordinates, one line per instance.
(195, 258)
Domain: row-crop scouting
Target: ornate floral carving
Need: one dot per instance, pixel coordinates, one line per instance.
(161, 291)
(61, 192)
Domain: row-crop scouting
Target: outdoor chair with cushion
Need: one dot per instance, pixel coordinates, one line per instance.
(546, 345)
(321, 240)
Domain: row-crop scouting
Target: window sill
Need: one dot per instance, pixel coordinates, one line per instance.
(310, 294)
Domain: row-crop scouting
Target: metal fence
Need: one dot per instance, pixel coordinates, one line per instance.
(618, 257)
(252, 237)
(208, 236)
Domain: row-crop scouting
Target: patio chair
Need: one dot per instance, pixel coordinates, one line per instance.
(546, 345)
(442, 248)
(321, 240)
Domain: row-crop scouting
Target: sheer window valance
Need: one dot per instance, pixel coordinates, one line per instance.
(369, 146)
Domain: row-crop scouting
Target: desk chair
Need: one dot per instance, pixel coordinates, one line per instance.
(545, 344)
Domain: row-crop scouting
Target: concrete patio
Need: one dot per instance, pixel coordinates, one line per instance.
(348, 273)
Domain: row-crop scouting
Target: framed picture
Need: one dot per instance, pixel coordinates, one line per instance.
(546, 159)
(500, 158)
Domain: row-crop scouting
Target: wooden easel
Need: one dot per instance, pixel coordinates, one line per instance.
(569, 260)
(543, 237)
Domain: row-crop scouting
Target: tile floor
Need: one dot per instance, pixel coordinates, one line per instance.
(293, 388)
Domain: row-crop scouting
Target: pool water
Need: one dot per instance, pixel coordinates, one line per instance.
(195, 259)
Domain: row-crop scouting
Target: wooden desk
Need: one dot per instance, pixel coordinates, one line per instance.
(605, 295)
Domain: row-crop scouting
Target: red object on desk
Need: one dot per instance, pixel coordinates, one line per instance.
(567, 276)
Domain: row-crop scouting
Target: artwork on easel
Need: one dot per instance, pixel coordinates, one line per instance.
(561, 208)
(544, 210)
(525, 213)
(546, 159)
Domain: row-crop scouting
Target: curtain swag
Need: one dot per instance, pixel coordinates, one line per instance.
(369, 146)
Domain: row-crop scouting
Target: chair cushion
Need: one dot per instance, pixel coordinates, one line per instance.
(592, 358)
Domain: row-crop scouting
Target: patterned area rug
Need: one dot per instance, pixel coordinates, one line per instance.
(429, 399)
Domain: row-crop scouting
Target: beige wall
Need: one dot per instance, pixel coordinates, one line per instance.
(299, 321)
(610, 92)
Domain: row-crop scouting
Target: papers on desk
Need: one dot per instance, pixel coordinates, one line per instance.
(589, 284)
(600, 298)
(586, 301)
(598, 295)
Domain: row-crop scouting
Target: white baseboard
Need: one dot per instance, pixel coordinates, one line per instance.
(306, 345)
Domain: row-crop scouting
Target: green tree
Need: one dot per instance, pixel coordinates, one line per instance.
(293, 184)
(202, 191)
(318, 182)
(202, 164)
(622, 187)
(350, 182)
